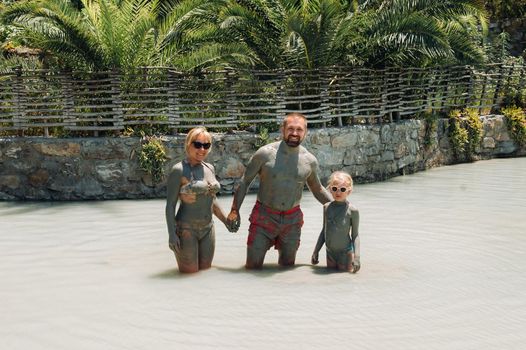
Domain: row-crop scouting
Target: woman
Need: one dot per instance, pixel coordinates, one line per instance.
(191, 231)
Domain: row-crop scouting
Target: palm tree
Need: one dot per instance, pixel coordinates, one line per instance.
(317, 33)
(189, 37)
(102, 34)
(419, 32)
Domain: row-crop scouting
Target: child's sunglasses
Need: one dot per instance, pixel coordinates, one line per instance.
(199, 145)
(335, 189)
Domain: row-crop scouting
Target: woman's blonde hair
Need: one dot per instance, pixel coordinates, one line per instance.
(194, 134)
(341, 175)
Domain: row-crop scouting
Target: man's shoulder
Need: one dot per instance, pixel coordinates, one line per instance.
(307, 155)
(268, 148)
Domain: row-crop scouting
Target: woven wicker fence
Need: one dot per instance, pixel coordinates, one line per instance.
(47, 102)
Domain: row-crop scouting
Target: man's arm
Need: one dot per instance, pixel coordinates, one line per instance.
(313, 182)
(254, 165)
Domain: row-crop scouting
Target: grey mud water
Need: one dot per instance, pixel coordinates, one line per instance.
(443, 267)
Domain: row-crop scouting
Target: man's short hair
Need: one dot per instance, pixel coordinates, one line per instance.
(294, 115)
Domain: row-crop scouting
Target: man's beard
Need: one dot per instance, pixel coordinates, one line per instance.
(293, 142)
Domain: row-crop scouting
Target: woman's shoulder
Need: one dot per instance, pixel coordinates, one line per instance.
(209, 166)
(177, 168)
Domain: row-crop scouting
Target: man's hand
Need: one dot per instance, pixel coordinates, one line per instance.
(314, 259)
(233, 221)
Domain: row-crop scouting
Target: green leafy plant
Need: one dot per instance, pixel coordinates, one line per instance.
(458, 136)
(473, 126)
(516, 123)
(431, 125)
(152, 157)
(263, 137)
(465, 132)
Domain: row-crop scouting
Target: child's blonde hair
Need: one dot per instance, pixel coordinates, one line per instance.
(341, 175)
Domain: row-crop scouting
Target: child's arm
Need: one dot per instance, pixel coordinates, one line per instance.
(319, 244)
(355, 219)
(321, 240)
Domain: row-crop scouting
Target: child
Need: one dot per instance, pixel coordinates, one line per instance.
(339, 218)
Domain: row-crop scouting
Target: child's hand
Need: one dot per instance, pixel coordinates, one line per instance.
(355, 266)
(314, 260)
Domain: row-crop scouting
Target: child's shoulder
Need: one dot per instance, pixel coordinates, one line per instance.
(352, 207)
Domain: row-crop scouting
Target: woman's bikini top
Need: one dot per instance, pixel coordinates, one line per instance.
(202, 186)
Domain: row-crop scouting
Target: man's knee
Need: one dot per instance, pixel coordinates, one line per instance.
(255, 257)
(287, 255)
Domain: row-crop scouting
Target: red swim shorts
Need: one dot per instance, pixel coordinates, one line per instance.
(279, 227)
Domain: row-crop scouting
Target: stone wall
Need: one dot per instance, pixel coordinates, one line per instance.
(107, 168)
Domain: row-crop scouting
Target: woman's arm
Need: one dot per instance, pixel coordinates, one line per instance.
(173, 185)
(218, 212)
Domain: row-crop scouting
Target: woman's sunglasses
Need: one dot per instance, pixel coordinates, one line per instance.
(199, 145)
(335, 189)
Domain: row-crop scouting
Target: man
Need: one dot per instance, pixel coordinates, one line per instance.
(284, 167)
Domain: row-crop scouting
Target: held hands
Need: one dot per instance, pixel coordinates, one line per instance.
(314, 259)
(233, 221)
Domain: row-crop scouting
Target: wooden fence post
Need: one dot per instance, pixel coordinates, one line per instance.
(69, 103)
(173, 105)
(18, 101)
(500, 77)
(118, 111)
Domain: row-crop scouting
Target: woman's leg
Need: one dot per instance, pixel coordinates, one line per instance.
(207, 246)
(331, 262)
(187, 258)
(349, 266)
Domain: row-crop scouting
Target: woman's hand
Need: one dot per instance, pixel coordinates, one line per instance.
(174, 243)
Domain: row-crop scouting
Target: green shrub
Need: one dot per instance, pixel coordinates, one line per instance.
(473, 125)
(431, 125)
(263, 137)
(152, 157)
(458, 136)
(516, 123)
(465, 132)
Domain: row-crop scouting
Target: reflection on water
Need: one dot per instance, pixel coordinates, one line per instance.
(444, 267)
